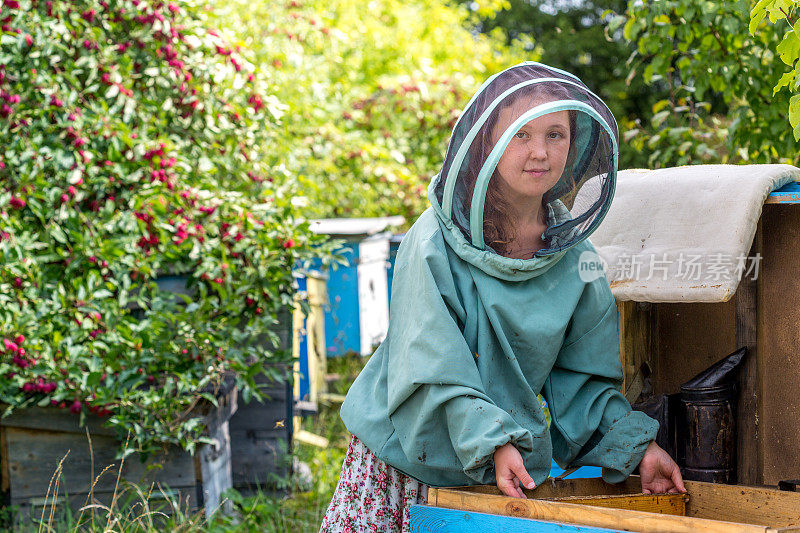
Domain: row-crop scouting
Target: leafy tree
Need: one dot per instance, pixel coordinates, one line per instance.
(371, 93)
(721, 73)
(777, 12)
(572, 35)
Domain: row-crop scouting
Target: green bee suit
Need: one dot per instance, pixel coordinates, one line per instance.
(474, 336)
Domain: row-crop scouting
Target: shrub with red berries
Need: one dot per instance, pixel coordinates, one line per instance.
(132, 147)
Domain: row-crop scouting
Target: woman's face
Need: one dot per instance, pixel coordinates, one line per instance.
(534, 160)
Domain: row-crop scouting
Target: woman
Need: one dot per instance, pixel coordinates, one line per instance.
(489, 310)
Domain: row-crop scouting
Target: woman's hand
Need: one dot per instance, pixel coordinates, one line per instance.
(510, 471)
(659, 473)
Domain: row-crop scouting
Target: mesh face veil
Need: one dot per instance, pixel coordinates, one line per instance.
(531, 134)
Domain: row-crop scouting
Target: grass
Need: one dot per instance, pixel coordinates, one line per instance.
(303, 512)
(149, 509)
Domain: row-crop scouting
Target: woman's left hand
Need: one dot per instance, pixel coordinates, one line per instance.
(659, 473)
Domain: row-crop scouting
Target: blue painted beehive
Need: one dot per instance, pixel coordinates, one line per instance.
(357, 315)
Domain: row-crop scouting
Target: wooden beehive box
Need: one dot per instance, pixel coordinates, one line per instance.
(261, 439)
(261, 431)
(34, 441)
(591, 505)
(676, 338)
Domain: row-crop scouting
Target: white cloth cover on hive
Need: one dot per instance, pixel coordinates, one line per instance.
(683, 234)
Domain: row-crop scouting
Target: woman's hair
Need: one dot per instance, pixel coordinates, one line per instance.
(498, 226)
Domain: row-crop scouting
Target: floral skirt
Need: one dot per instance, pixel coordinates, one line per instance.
(371, 495)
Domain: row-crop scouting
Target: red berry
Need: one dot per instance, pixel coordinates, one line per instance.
(76, 407)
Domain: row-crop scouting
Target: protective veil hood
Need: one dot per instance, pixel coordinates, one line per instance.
(533, 138)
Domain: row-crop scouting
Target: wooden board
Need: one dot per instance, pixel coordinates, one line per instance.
(426, 519)
(749, 441)
(779, 344)
(562, 488)
(674, 504)
(748, 505)
(35, 440)
(711, 507)
(32, 457)
(555, 511)
(637, 338)
(261, 437)
(788, 194)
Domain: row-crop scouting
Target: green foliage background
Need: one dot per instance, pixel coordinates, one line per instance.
(722, 66)
(372, 92)
(130, 149)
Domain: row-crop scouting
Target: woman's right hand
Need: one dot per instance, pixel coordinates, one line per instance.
(510, 471)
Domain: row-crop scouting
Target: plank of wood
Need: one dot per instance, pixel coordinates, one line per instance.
(260, 457)
(779, 344)
(570, 513)
(748, 505)
(262, 462)
(270, 414)
(215, 466)
(315, 329)
(735, 503)
(674, 504)
(329, 397)
(637, 331)
(5, 477)
(788, 194)
(310, 438)
(52, 419)
(553, 488)
(749, 464)
(33, 455)
(426, 519)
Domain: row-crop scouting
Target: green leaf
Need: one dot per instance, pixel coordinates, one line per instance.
(660, 117)
(755, 20)
(787, 79)
(93, 379)
(615, 22)
(789, 48)
(628, 29)
(794, 110)
(661, 20)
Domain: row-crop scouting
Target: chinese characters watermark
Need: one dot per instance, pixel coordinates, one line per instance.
(715, 267)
